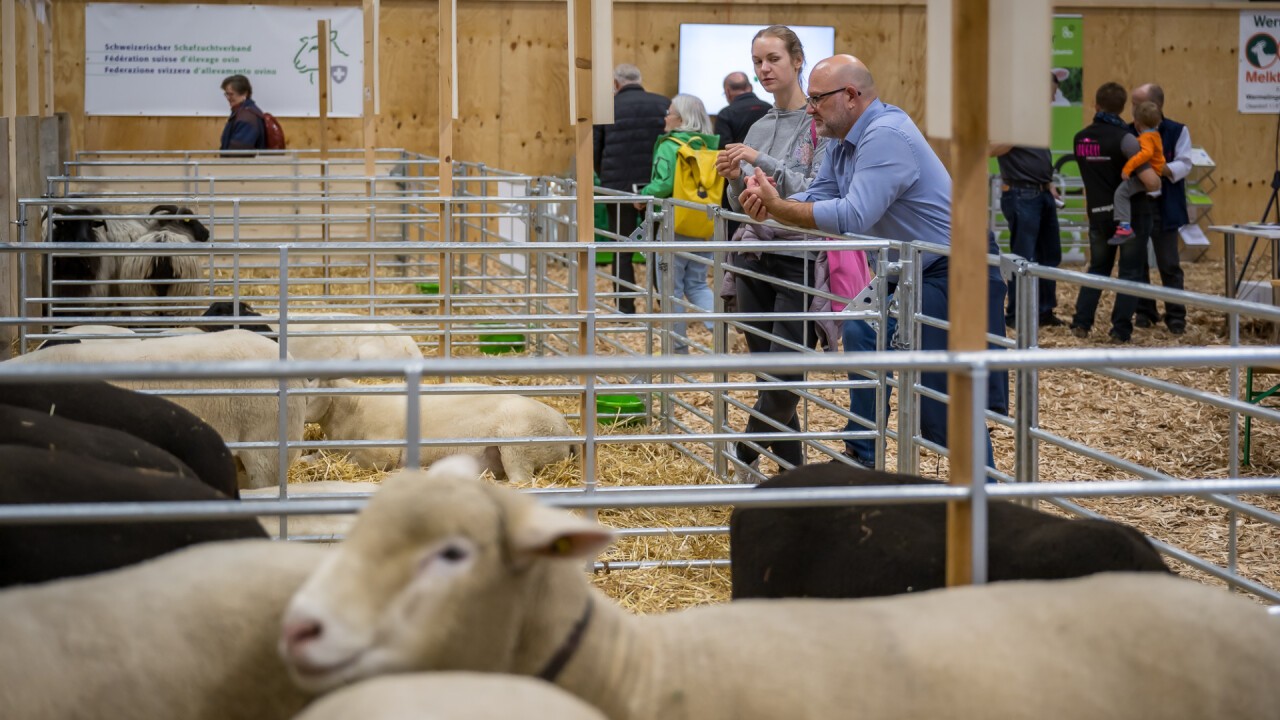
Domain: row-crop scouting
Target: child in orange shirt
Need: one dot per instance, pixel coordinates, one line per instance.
(1146, 118)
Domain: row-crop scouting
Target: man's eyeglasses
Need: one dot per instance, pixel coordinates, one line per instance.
(813, 100)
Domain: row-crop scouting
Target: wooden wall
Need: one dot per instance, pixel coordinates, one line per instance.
(513, 76)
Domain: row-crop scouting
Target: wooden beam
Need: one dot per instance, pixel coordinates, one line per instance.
(33, 59)
(370, 79)
(967, 272)
(583, 170)
(9, 79)
(46, 60)
(322, 42)
(445, 41)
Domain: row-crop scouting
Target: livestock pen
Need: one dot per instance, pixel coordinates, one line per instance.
(439, 269)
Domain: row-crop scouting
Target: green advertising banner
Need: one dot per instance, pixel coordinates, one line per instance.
(1068, 70)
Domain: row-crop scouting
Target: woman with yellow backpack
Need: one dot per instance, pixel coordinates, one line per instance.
(684, 167)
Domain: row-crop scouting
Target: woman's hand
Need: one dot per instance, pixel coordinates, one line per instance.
(638, 206)
(728, 162)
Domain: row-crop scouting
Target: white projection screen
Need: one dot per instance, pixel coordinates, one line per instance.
(709, 52)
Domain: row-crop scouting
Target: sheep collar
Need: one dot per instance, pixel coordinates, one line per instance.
(570, 645)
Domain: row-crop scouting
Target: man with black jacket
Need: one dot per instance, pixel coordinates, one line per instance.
(1101, 151)
(733, 122)
(624, 157)
(744, 109)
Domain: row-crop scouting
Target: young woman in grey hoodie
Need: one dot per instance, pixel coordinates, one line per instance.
(785, 145)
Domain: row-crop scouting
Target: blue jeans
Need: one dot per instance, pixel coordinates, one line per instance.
(1034, 235)
(688, 281)
(861, 337)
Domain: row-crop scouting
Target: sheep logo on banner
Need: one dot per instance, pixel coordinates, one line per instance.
(307, 60)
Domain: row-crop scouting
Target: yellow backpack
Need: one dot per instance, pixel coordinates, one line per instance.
(696, 180)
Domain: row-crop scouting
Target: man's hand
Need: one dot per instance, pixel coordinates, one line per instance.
(760, 191)
(1167, 172)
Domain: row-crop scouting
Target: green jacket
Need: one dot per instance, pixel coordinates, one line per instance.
(662, 181)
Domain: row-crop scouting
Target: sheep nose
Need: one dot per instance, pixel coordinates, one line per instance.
(298, 633)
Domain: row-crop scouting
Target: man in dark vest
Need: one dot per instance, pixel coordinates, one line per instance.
(624, 157)
(1172, 214)
(733, 122)
(1101, 150)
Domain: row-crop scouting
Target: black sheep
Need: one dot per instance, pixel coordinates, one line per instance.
(870, 550)
(37, 553)
(152, 419)
(224, 308)
(79, 268)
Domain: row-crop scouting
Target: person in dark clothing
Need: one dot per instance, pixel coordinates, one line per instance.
(1101, 151)
(624, 156)
(733, 122)
(245, 129)
(1027, 199)
(743, 110)
(1172, 213)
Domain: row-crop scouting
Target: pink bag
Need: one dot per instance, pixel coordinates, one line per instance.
(849, 274)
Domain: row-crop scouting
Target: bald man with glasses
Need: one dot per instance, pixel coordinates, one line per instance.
(880, 178)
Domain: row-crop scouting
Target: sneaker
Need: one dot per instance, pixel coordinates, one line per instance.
(745, 473)
(1079, 331)
(1123, 234)
(1050, 320)
(848, 458)
(1142, 321)
(1116, 337)
(1177, 328)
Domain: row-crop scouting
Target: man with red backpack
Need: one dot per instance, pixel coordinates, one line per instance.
(248, 128)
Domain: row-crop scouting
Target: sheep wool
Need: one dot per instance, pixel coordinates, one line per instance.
(497, 416)
(236, 419)
(189, 635)
(451, 696)
(442, 572)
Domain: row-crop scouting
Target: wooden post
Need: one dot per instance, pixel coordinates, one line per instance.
(322, 43)
(370, 80)
(9, 69)
(967, 272)
(46, 76)
(446, 111)
(33, 60)
(584, 171)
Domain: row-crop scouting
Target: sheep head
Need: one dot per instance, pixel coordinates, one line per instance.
(438, 574)
(179, 219)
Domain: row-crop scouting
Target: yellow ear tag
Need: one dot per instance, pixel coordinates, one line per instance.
(561, 546)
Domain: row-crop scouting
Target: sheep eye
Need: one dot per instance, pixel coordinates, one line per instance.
(453, 553)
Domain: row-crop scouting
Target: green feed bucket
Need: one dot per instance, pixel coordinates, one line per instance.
(498, 343)
(433, 288)
(621, 410)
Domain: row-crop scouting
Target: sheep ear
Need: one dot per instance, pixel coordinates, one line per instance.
(462, 468)
(542, 531)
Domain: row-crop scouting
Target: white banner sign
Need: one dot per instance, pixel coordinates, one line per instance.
(172, 59)
(1259, 79)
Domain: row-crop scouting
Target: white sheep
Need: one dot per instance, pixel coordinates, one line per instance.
(331, 527)
(450, 696)
(148, 273)
(353, 338)
(119, 334)
(236, 418)
(504, 417)
(188, 635)
(444, 573)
